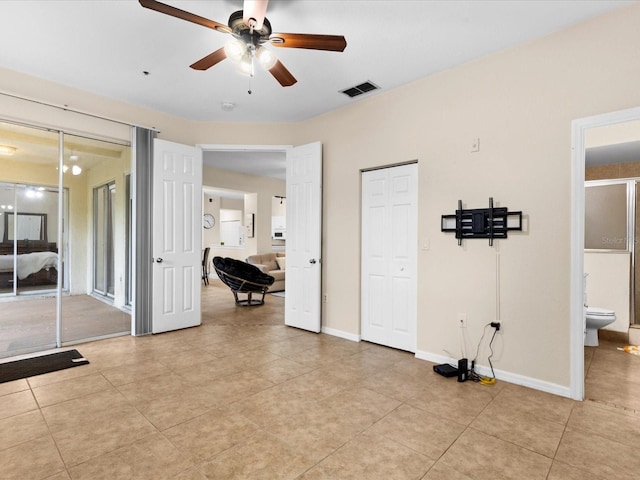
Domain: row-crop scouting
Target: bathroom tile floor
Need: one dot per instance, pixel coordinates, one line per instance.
(243, 396)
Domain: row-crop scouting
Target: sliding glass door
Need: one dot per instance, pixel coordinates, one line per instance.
(97, 252)
(51, 244)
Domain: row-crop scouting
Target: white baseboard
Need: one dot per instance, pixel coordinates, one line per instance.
(505, 376)
(509, 377)
(339, 333)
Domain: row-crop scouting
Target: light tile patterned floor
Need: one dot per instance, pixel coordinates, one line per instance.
(244, 397)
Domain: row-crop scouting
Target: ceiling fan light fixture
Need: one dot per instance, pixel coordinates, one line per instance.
(266, 57)
(76, 170)
(235, 50)
(245, 66)
(32, 192)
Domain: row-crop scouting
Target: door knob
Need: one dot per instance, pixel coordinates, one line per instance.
(159, 260)
(313, 260)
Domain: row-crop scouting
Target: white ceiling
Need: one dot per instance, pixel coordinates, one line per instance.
(104, 47)
(260, 163)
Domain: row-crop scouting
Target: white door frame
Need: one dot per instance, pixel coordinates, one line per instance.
(578, 129)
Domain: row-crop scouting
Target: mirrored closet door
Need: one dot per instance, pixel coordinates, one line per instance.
(59, 240)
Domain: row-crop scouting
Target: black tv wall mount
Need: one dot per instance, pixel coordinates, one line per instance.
(481, 222)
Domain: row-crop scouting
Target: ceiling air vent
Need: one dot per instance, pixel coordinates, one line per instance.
(360, 89)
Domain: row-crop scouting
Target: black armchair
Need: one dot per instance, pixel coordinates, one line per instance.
(244, 278)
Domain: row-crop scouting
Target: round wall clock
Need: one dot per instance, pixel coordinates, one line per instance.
(208, 220)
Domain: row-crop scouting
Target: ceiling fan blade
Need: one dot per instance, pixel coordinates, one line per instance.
(210, 60)
(189, 17)
(282, 75)
(334, 43)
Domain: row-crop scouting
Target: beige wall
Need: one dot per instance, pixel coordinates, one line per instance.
(520, 103)
(613, 134)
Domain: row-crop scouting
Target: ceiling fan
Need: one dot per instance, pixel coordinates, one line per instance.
(250, 30)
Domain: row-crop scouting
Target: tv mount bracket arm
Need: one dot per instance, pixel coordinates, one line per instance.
(488, 223)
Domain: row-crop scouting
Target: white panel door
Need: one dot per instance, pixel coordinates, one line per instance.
(389, 256)
(304, 230)
(177, 236)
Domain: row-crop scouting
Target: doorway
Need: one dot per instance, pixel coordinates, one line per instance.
(240, 183)
(305, 265)
(580, 129)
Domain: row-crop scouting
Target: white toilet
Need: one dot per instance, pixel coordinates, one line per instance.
(596, 318)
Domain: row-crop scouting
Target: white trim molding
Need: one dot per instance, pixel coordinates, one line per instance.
(509, 377)
(576, 341)
(339, 333)
(206, 147)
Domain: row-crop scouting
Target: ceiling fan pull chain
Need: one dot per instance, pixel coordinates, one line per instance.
(249, 91)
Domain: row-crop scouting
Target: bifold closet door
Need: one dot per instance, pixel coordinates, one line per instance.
(389, 254)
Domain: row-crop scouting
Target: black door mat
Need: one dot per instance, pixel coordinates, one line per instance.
(30, 367)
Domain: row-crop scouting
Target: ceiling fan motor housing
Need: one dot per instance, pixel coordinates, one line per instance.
(244, 32)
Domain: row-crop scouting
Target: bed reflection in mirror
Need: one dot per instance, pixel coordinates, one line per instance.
(28, 260)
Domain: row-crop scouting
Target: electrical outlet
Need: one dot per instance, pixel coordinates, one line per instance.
(461, 319)
(475, 145)
(325, 297)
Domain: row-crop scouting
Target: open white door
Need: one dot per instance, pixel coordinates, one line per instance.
(177, 236)
(304, 230)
